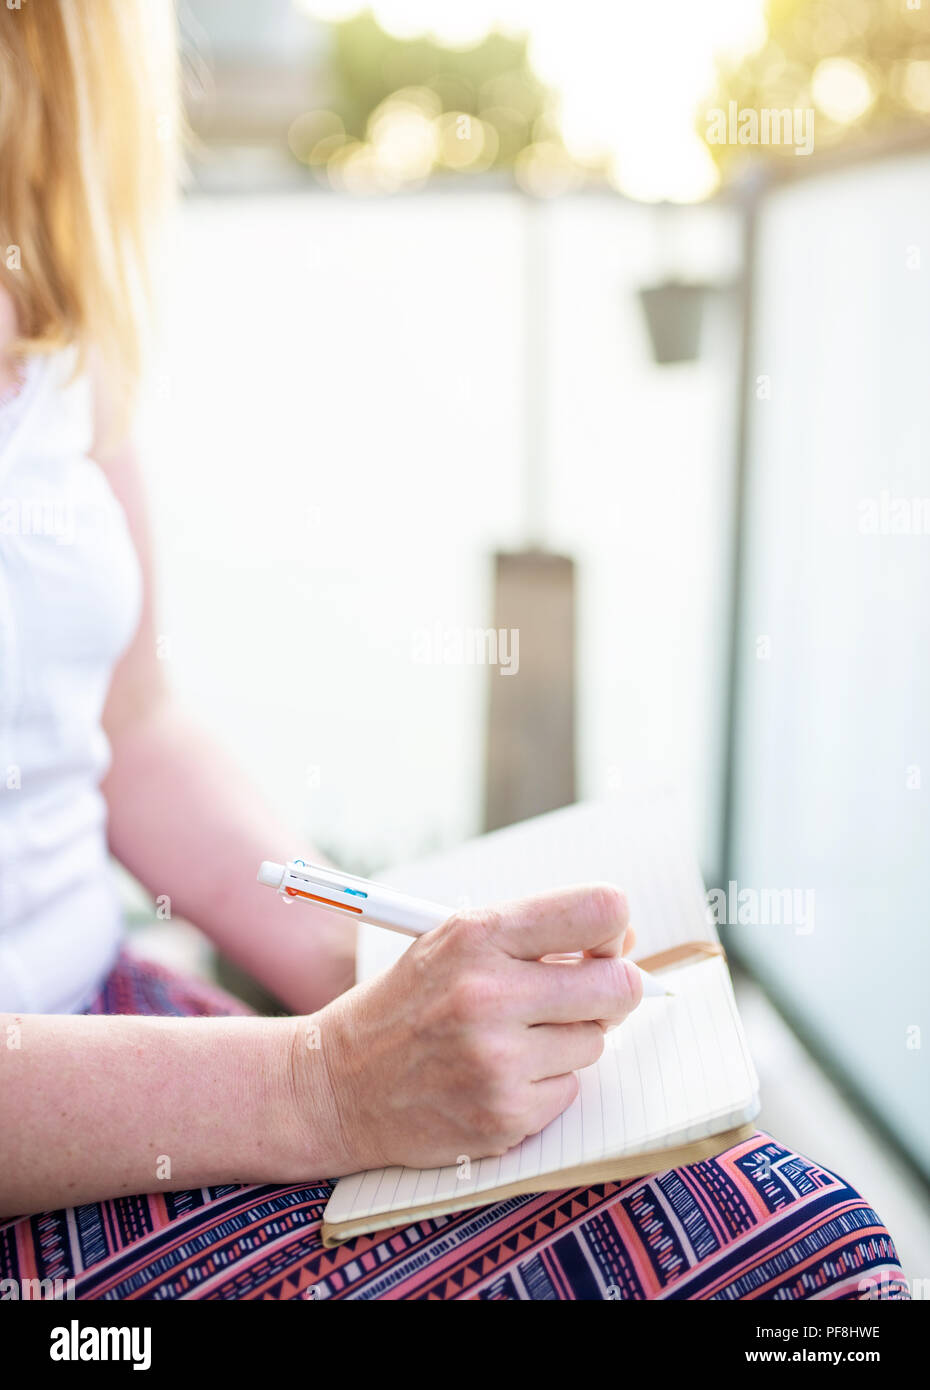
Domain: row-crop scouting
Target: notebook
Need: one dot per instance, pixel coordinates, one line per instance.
(675, 1083)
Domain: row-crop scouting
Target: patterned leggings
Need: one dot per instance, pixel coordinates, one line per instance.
(756, 1222)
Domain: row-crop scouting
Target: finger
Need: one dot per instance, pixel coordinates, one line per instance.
(556, 1048)
(549, 1098)
(585, 989)
(629, 941)
(593, 917)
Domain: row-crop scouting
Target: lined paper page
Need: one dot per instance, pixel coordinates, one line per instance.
(677, 1070)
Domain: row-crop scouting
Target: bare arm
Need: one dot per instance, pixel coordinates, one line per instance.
(94, 1107)
(188, 825)
(468, 1044)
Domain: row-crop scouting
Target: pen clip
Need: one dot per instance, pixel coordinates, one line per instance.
(324, 886)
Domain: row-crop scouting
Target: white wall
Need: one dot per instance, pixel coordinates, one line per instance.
(335, 450)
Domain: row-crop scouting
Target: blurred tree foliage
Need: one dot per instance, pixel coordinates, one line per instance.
(368, 65)
(862, 66)
(489, 86)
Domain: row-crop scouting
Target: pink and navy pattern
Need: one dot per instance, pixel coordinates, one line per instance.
(757, 1222)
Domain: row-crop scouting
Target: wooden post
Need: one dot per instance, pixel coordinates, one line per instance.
(531, 712)
(530, 747)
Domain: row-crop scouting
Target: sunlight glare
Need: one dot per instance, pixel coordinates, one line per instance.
(627, 77)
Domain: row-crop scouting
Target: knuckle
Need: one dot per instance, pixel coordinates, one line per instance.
(490, 1061)
(503, 1121)
(471, 997)
(499, 1102)
(455, 925)
(471, 930)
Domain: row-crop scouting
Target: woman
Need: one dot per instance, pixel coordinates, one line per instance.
(120, 1079)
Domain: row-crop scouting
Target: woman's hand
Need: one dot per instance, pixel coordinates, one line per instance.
(470, 1042)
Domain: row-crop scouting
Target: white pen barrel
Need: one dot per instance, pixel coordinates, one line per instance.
(369, 902)
(376, 903)
(412, 916)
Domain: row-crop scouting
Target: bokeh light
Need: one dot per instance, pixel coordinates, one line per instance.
(624, 97)
(403, 138)
(313, 130)
(465, 141)
(842, 89)
(916, 84)
(545, 170)
(625, 103)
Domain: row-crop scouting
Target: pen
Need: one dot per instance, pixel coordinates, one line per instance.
(376, 903)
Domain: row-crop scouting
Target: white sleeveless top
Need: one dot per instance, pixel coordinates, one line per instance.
(70, 595)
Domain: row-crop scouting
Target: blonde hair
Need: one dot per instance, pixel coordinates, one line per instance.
(88, 119)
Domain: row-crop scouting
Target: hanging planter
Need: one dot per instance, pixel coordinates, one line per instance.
(674, 311)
